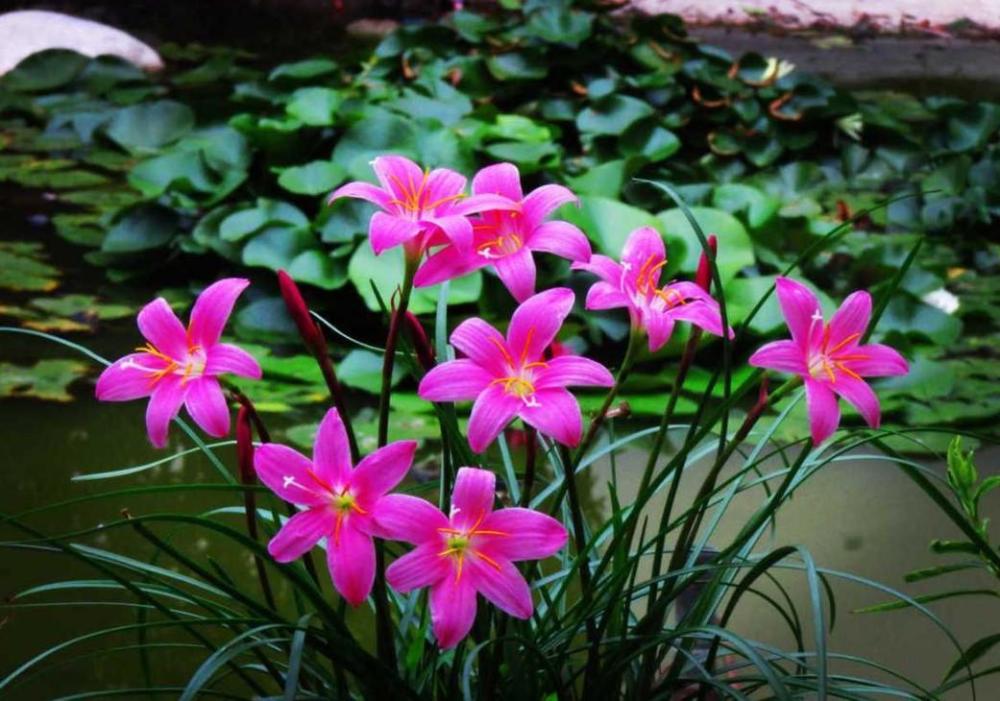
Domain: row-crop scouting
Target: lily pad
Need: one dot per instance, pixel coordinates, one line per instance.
(23, 267)
(318, 177)
(47, 379)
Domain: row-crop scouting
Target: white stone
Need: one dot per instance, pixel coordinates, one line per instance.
(30, 31)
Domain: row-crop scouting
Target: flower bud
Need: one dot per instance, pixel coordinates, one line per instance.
(244, 445)
(299, 312)
(703, 278)
(422, 347)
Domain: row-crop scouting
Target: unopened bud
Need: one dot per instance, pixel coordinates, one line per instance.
(422, 346)
(244, 445)
(299, 312)
(622, 411)
(703, 278)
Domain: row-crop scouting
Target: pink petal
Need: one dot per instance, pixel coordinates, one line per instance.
(659, 328)
(572, 370)
(504, 588)
(382, 470)
(363, 191)
(388, 230)
(447, 264)
(332, 451)
(824, 414)
(164, 403)
(849, 323)
(556, 415)
(604, 268)
(873, 360)
(457, 228)
(441, 189)
(301, 533)
(702, 314)
(453, 610)
(482, 344)
(517, 272)
(536, 322)
(562, 239)
(689, 291)
(163, 329)
(400, 177)
(800, 308)
(128, 378)
(225, 357)
(544, 200)
(456, 380)
(206, 404)
(860, 395)
(491, 412)
(533, 535)
(783, 356)
(350, 555)
(212, 309)
(472, 498)
(603, 295)
(422, 567)
(643, 250)
(289, 474)
(499, 179)
(410, 519)
(484, 204)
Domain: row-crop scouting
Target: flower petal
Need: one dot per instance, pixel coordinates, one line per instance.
(536, 322)
(422, 567)
(443, 189)
(800, 308)
(128, 378)
(874, 360)
(206, 404)
(861, 397)
(301, 533)
(225, 357)
(849, 323)
(455, 380)
(472, 497)
(505, 588)
(387, 230)
(491, 412)
(212, 309)
(382, 470)
(517, 272)
(573, 370)
(499, 179)
(332, 451)
(350, 555)
(643, 252)
(482, 344)
(544, 200)
(483, 204)
(289, 474)
(409, 519)
(453, 610)
(824, 414)
(659, 328)
(783, 356)
(447, 264)
(161, 327)
(457, 228)
(164, 403)
(603, 295)
(555, 413)
(362, 191)
(533, 535)
(562, 239)
(704, 315)
(400, 177)
(603, 267)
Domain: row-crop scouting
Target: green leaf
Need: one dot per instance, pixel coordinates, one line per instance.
(649, 140)
(44, 71)
(560, 25)
(23, 267)
(607, 222)
(758, 206)
(735, 246)
(604, 180)
(276, 247)
(304, 70)
(376, 133)
(742, 295)
(612, 115)
(47, 379)
(362, 369)
(150, 125)
(529, 157)
(516, 65)
(315, 178)
(265, 212)
(344, 219)
(142, 228)
(973, 653)
(316, 107)
(318, 268)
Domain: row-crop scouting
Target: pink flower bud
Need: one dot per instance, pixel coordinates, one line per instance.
(244, 445)
(422, 347)
(299, 312)
(703, 278)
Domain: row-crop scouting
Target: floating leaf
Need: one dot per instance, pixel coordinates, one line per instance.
(316, 107)
(23, 267)
(47, 379)
(318, 177)
(141, 228)
(150, 125)
(362, 369)
(612, 115)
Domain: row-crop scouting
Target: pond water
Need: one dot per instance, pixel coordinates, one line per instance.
(860, 516)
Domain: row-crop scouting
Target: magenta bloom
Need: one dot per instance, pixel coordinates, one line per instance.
(635, 285)
(828, 357)
(338, 502)
(418, 206)
(505, 238)
(509, 377)
(181, 366)
(471, 551)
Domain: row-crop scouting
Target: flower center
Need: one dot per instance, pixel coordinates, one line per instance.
(191, 365)
(344, 503)
(826, 362)
(501, 246)
(458, 544)
(665, 299)
(413, 199)
(646, 278)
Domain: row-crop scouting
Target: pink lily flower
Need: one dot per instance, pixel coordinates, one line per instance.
(505, 238)
(419, 207)
(828, 357)
(510, 377)
(181, 366)
(635, 285)
(339, 502)
(470, 551)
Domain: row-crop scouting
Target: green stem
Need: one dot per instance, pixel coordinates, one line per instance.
(530, 458)
(634, 342)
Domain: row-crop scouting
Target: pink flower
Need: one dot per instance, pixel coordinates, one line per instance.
(472, 550)
(505, 238)
(418, 206)
(828, 357)
(181, 366)
(339, 502)
(635, 285)
(510, 377)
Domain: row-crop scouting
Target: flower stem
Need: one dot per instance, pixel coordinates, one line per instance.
(634, 342)
(530, 456)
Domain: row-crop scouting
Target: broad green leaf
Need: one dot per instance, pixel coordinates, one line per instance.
(735, 198)
(612, 115)
(377, 133)
(362, 369)
(142, 228)
(735, 248)
(516, 65)
(318, 177)
(44, 70)
(23, 267)
(607, 222)
(649, 140)
(604, 180)
(46, 379)
(317, 267)
(304, 70)
(277, 246)
(316, 107)
(150, 125)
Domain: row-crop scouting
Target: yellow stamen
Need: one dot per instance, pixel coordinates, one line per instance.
(842, 343)
(503, 350)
